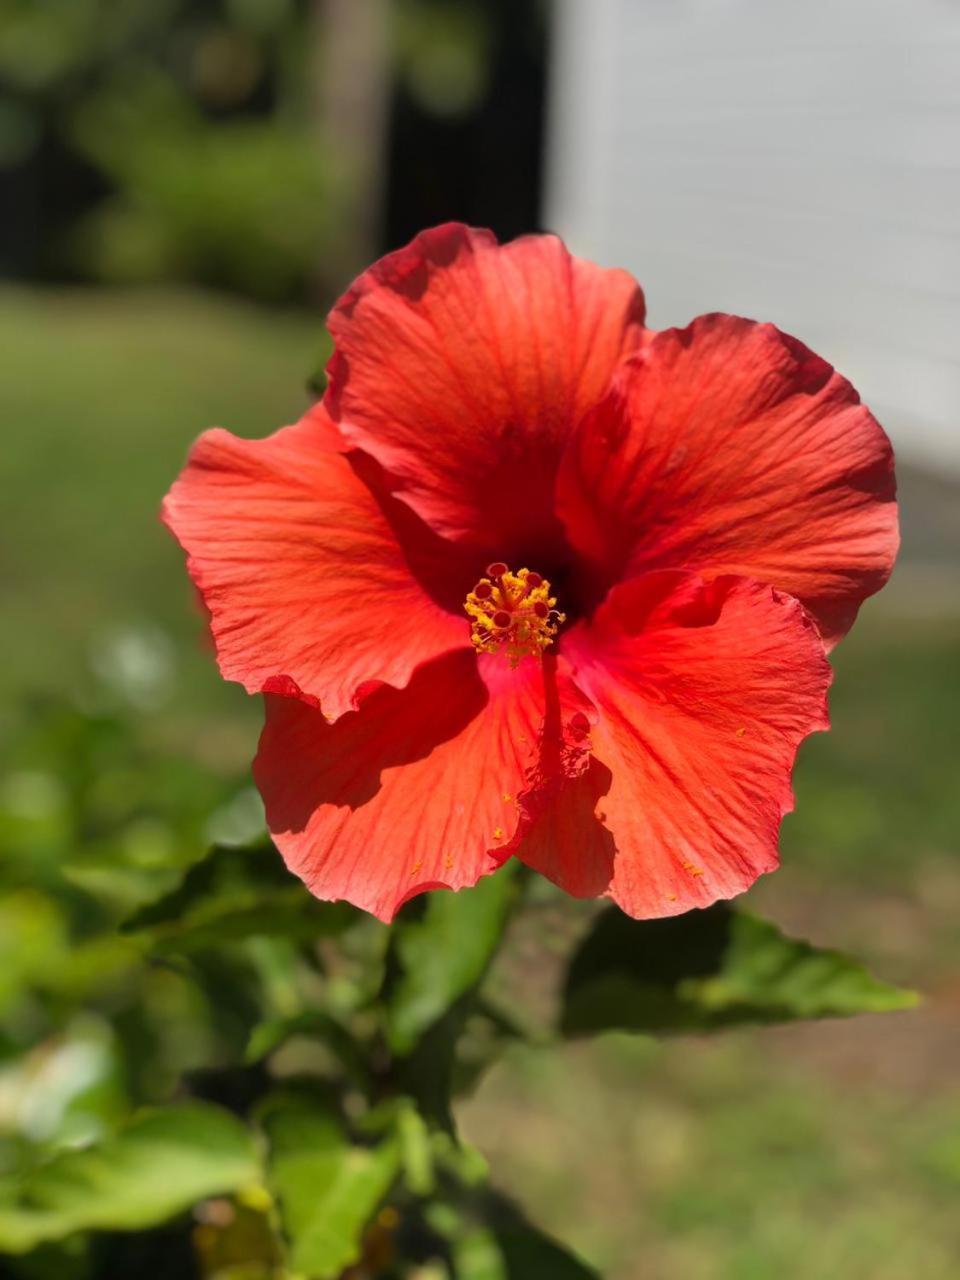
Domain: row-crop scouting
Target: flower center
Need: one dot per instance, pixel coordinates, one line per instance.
(512, 613)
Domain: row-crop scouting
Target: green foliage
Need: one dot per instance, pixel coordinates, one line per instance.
(200, 124)
(143, 983)
(269, 1036)
(709, 969)
(328, 1187)
(45, 48)
(443, 53)
(236, 893)
(160, 1164)
(247, 204)
(197, 125)
(440, 953)
(508, 1247)
(444, 954)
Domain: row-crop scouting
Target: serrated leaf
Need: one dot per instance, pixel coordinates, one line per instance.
(709, 969)
(236, 893)
(163, 1162)
(328, 1188)
(445, 954)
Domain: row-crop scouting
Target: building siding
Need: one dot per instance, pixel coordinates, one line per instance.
(794, 163)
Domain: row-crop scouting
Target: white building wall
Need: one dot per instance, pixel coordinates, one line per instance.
(791, 160)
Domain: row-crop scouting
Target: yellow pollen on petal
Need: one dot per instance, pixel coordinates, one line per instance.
(513, 614)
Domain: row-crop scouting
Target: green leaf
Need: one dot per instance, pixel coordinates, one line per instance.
(163, 1162)
(708, 969)
(444, 954)
(416, 1150)
(236, 893)
(509, 1247)
(269, 1036)
(427, 1074)
(328, 1187)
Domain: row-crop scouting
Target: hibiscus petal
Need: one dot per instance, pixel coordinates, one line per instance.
(703, 692)
(415, 790)
(462, 365)
(729, 448)
(307, 588)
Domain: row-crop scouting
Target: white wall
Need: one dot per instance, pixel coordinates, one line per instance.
(791, 160)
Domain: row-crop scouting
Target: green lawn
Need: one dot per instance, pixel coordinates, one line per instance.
(810, 1153)
(101, 395)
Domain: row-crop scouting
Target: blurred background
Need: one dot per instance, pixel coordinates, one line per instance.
(185, 185)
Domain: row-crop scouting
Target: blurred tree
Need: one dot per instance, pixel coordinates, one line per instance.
(266, 146)
(244, 203)
(350, 92)
(152, 138)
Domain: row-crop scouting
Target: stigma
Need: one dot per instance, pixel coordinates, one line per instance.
(513, 614)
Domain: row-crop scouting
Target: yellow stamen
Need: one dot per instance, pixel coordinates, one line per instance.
(512, 613)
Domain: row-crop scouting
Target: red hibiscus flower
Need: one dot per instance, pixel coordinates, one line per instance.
(534, 580)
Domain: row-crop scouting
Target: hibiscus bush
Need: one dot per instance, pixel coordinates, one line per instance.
(539, 603)
(209, 1073)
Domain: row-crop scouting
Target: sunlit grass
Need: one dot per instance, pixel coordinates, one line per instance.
(101, 395)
